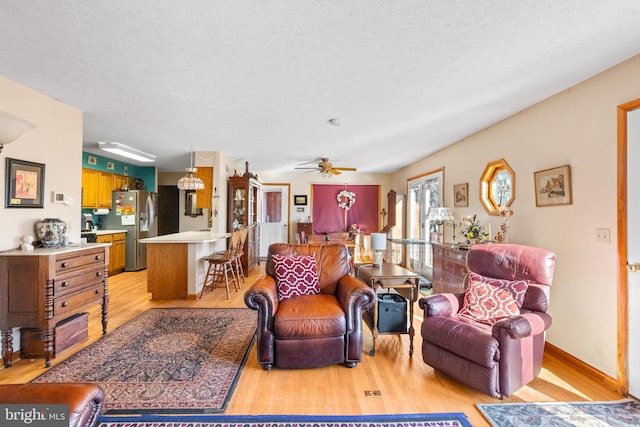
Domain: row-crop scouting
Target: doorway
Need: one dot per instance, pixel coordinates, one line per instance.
(168, 209)
(274, 223)
(628, 248)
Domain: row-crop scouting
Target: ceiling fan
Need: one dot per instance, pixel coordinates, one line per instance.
(325, 168)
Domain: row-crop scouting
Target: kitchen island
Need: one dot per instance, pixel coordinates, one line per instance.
(176, 265)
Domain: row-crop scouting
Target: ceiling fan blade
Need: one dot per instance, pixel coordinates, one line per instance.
(345, 169)
(334, 171)
(315, 168)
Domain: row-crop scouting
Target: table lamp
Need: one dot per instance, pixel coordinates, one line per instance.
(378, 244)
(439, 215)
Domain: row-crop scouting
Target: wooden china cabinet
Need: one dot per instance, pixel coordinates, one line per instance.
(244, 205)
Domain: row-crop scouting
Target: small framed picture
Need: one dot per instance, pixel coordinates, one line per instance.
(125, 170)
(553, 186)
(461, 195)
(300, 200)
(300, 209)
(92, 160)
(24, 184)
(111, 166)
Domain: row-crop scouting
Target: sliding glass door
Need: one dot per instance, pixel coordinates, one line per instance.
(423, 192)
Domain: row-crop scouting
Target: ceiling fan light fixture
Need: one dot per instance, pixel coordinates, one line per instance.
(126, 151)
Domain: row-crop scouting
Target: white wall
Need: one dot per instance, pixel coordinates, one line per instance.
(576, 127)
(57, 142)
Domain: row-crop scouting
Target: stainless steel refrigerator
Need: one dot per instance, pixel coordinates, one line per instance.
(136, 212)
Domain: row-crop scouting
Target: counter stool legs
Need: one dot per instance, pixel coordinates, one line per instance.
(218, 271)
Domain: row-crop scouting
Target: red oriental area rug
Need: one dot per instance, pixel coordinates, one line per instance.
(173, 360)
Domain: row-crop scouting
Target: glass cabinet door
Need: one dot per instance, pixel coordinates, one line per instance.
(239, 208)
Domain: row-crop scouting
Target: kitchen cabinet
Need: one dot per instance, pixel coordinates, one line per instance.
(44, 287)
(204, 196)
(244, 202)
(118, 252)
(449, 268)
(119, 181)
(96, 189)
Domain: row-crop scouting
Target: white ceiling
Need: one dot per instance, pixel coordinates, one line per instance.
(259, 80)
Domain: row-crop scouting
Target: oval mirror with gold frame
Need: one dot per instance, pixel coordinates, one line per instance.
(497, 186)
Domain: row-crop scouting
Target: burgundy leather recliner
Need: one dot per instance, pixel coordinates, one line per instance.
(312, 330)
(495, 359)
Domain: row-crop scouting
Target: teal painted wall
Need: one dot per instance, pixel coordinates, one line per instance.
(145, 173)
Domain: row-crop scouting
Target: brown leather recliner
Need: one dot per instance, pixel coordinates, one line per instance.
(312, 330)
(85, 400)
(495, 359)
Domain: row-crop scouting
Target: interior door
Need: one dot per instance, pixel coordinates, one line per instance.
(633, 249)
(274, 224)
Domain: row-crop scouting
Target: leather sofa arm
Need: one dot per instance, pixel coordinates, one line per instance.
(354, 297)
(442, 305)
(85, 400)
(263, 295)
(521, 326)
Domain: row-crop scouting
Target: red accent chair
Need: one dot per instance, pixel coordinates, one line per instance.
(312, 330)
(495, 359)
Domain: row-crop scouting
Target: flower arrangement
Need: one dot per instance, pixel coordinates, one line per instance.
(471, 229)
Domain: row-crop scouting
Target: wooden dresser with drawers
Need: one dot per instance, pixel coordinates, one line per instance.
(449, 268)
(45, 287)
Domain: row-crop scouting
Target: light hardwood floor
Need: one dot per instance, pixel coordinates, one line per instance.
(407, 385)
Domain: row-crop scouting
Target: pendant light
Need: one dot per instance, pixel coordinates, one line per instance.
(190, 181)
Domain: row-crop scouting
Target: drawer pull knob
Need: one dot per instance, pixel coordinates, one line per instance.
(98, 257)
(63, 265)
(98, 273)
(97, 291)
(64, 284)
(64, 304)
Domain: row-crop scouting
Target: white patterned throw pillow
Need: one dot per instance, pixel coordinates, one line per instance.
(296, 275)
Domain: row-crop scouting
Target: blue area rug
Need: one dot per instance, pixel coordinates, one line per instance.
(454, 419)
(616, 413)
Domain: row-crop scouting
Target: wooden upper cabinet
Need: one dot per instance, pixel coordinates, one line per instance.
(89, 188)
(96, 189)
(120, 181)
(203, 197)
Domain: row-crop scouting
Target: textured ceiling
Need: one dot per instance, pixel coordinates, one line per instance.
(259, 80)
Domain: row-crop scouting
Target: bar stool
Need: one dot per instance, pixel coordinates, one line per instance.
(239, 252)
(220, 266)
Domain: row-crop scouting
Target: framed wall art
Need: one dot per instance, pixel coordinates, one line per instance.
(24, 184)
(299, 200)
(553, 186)
(461, 195)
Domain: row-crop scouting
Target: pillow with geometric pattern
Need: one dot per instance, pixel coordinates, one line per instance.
(488, 300)
(518, 288)
(296, 275)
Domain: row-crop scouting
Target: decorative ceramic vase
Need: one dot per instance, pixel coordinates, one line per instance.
(51, 232)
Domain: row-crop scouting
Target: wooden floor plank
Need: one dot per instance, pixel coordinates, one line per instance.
(407, 385)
